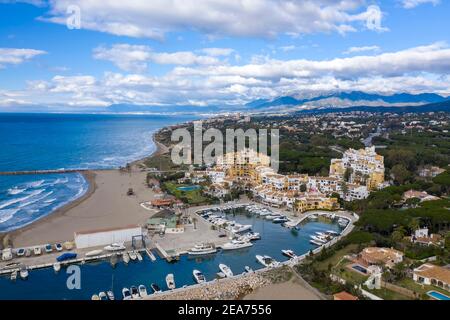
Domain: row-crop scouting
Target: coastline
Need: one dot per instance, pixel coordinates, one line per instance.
(96, 198)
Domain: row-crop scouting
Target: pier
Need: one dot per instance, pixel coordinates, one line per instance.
(35, 172)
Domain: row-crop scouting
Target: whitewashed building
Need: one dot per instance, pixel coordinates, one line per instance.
(104, 237)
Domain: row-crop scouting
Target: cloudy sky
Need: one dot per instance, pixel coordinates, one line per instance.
(89, 53)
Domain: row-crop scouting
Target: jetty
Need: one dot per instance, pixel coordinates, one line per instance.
(35, 172)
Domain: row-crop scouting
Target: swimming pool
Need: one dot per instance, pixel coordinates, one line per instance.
(437, 295)
(188, 188)
(359, 268)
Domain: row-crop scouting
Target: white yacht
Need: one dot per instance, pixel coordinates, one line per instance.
(236, 244)
(57, 266)
(93, 253)
(110, 295)
(252, 235)
(170, 281)
(102, 295)
(280, 219)
(126, 294)
(248, 269)
(289, 253)
(23, 272)
(95, 297)
(139, 256)
(226, 270)
(134, 292)
(342, 222)
(198, 276)
(133, 255)
(238, 228)
(14, 275)
(125, 257)
(267, 261)
(317, 243)
(202, 249)
(115, 247)
(37, 251)
(319, 239)
(143, 291)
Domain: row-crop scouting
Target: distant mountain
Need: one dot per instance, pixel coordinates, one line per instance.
(347, 99)
(131, 108)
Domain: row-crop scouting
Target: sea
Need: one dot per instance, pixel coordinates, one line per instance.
(65, 141)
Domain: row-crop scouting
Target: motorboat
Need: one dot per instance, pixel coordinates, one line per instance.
(57, 266)
(125, 257)
(317, 243)
(126, 294)
(289, 253)
(95, 297)
(48, 248)
(238, 228)
(202, 249)
(252, 235)
(248, 269)
(342, 222)
(134, 292)
(319, 239)
(226, 270)
(170, 281)
(115, 247)
(66, 256)
(133, 255)
(23, 272)
(58, 247)
(20, 252)
(102, 295)
(139, 256)
(198, 276)
(155, 288)
(37, 251)
(94, 253)
(267, 261)
(142, 291)
(280, 220)
(14, 275)
(333, 233)
(237, 244)
(110, 295)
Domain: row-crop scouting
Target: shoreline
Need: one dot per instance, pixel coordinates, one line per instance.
(91, 177)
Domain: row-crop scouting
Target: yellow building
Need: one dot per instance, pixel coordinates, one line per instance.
(316, 203)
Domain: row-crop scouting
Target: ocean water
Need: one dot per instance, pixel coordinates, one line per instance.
(65, 141)
(101, 276)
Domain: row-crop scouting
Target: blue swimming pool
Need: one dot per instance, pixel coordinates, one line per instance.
(359, 268)
(188, 188)
(437, 295)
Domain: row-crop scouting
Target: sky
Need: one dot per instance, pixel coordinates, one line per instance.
(81, 54)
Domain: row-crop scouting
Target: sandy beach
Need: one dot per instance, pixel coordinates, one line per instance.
(105, 205)
(290, 290)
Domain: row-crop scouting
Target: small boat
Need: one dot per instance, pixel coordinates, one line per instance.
(66, 256)
(198, 276)
(57, 266)
(139, 256)
(342, 222)
(58, 247)
(113, 260)
(68, 245)
(267, 261)
(23, 272)
(20, 252)
(125, 257)
(115, 247)
(48, 248)
(27, 253)
(280, 220)
(238, 228)
(248, 269)
(289, 253)
(331, 232)
(155, 288)
(226, 270)
(319, 239)
(102, 295)
(202, 249)
(93, 253)
(134, 292)
(95, 297)
(317, 243)
(170, 281)
(236, 244)
(110, 295)
(37, 251)
(132, 255)
(271, 216)
(142, 291)
(126, 294)
(14, 275)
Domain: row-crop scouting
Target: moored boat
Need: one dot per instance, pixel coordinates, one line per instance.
(267, 261)
(57, 266)
(14, 275)
(102, 295)
(125, 257)
(317, 243)
(248, 269)
(23, 272)
(198, 276)
(155, 288)
(132, 255)
(66, 256)
(236, 244)
(143, 291)
(225, 270)
(110, 295)
(289, 253)
(95, 297)
(48, 248)
(58, 247)
(202, 249)
(170, 281)
(126, 294)
(280, 220)
(20, 252)
(139, 256)
(134, 292)
(37, 251)
(94, 253)
(115, 247)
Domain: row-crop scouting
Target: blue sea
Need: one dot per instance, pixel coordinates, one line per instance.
(65, 141)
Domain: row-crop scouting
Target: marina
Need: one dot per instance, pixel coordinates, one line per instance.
(97, 271)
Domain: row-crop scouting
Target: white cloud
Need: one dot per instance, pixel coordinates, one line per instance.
(135, 57)
(409, 4)
(362, 49)
(257, 18)
(217, 52)
(14, 56)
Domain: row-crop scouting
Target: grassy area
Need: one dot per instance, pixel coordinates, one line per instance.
(421, 289)
(335, 258)
(350, 276)
(386, 294)
(162, 162)
(191, 197)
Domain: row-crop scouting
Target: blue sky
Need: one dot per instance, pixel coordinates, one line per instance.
(206, 52)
